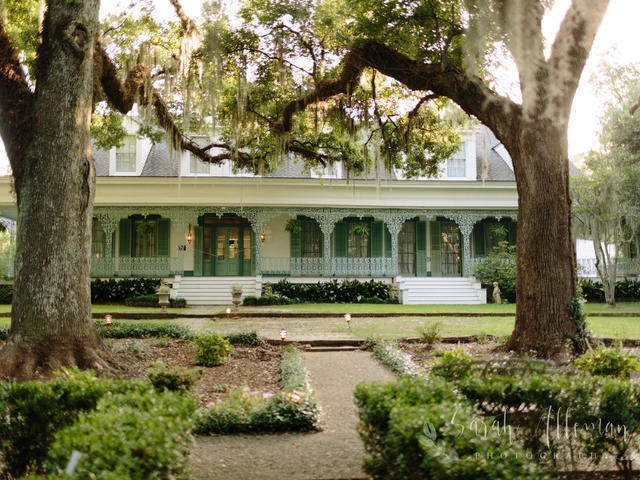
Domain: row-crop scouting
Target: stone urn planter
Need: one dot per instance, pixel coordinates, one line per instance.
(163, 296)
(236, 296)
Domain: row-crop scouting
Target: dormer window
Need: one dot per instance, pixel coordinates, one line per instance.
(456, 165)
(126, 155)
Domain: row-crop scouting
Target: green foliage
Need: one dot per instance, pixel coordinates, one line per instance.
(352, 291)
(211, 349)
(152, 301)
(626, 290)
(451, 365)
(107, 130)
(394, 358)
(420, 428)
(293, 226)
(4, 332)
(116, 291)
(178, 379)
(134, 435)
(266, 300)
(429, 332)
(499, 266)
(31, 413)
(608, 362)
(294, 409)
(6, 293)
(245, 338)
(143, 330)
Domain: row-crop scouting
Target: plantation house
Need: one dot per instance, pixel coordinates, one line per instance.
(208, 226)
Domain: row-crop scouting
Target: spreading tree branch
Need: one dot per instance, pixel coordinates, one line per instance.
(572, 46)
(137, 87)
(16, 100)
(467, 90)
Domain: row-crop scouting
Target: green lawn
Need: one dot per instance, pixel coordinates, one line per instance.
(590, 308)
(312, 328)
(391, 308)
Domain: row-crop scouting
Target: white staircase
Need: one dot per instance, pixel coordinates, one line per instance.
(213, 290)
(443, 290)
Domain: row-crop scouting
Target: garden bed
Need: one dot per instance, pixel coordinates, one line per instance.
(257, 368)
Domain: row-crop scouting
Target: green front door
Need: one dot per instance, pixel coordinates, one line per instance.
(227, 250)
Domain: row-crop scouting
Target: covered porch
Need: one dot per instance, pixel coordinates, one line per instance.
(292, 242)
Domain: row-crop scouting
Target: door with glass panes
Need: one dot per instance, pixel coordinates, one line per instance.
(226, 250)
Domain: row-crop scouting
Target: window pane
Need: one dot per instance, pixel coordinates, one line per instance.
(144, 238)
(126, 155)
(311, 239)
(233, 243)
(407, 249)
(220, 239)
(358, 245)
(97, 239)
(246, 239)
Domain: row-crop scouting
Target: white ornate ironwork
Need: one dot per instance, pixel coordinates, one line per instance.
(259, 217)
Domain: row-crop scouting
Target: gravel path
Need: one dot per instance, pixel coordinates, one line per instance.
(334, 453)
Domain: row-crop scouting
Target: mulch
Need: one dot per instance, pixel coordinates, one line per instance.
(257, 368)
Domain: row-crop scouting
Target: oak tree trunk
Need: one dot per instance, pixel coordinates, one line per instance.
(546, 278)
(51, 323)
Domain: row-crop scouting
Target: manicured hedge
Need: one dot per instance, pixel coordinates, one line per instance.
(266, 300)
(31, 413)
(117, 291)
(294, 409)
(417, 428)
(152, 301)
(143, 434)
(626, 290)
(349, 291)
(497, 421)
(143, 330)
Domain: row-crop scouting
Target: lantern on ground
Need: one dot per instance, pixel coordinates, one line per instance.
(347, 318)
(228, 312)
(107, 320)
(283, 335)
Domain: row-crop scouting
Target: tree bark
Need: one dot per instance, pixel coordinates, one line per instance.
(546, 278)
(51, 323)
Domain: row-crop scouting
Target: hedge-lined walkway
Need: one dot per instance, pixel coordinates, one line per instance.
(334, 453)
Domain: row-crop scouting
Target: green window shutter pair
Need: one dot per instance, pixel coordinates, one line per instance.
(421, 249)
(125, 239)
(377, 239)
(436, 256)
(340, 240)
(478, 239)
(197, 250)
(295, 242)
(163, 234)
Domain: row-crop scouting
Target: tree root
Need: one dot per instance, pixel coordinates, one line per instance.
(25, 359)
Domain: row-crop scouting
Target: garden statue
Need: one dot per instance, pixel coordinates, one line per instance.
(496, 293)
(268, 289)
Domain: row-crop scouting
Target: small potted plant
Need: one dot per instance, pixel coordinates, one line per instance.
(163, 296)
(361, 230)
(293, 226)
(236, 295)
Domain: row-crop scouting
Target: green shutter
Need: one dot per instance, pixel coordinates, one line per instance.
(421, 249)
(125, 238)
(340, 239)
(295, 242)
(513, 228)
(376, 239)
(113, 244)
(478, 239)
(164, 234)
(436, 258)
(387, 242)
(197, 250)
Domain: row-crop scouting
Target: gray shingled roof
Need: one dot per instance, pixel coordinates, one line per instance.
(159, 164)
(498, 169)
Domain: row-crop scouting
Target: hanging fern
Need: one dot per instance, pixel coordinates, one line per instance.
(293, 226)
